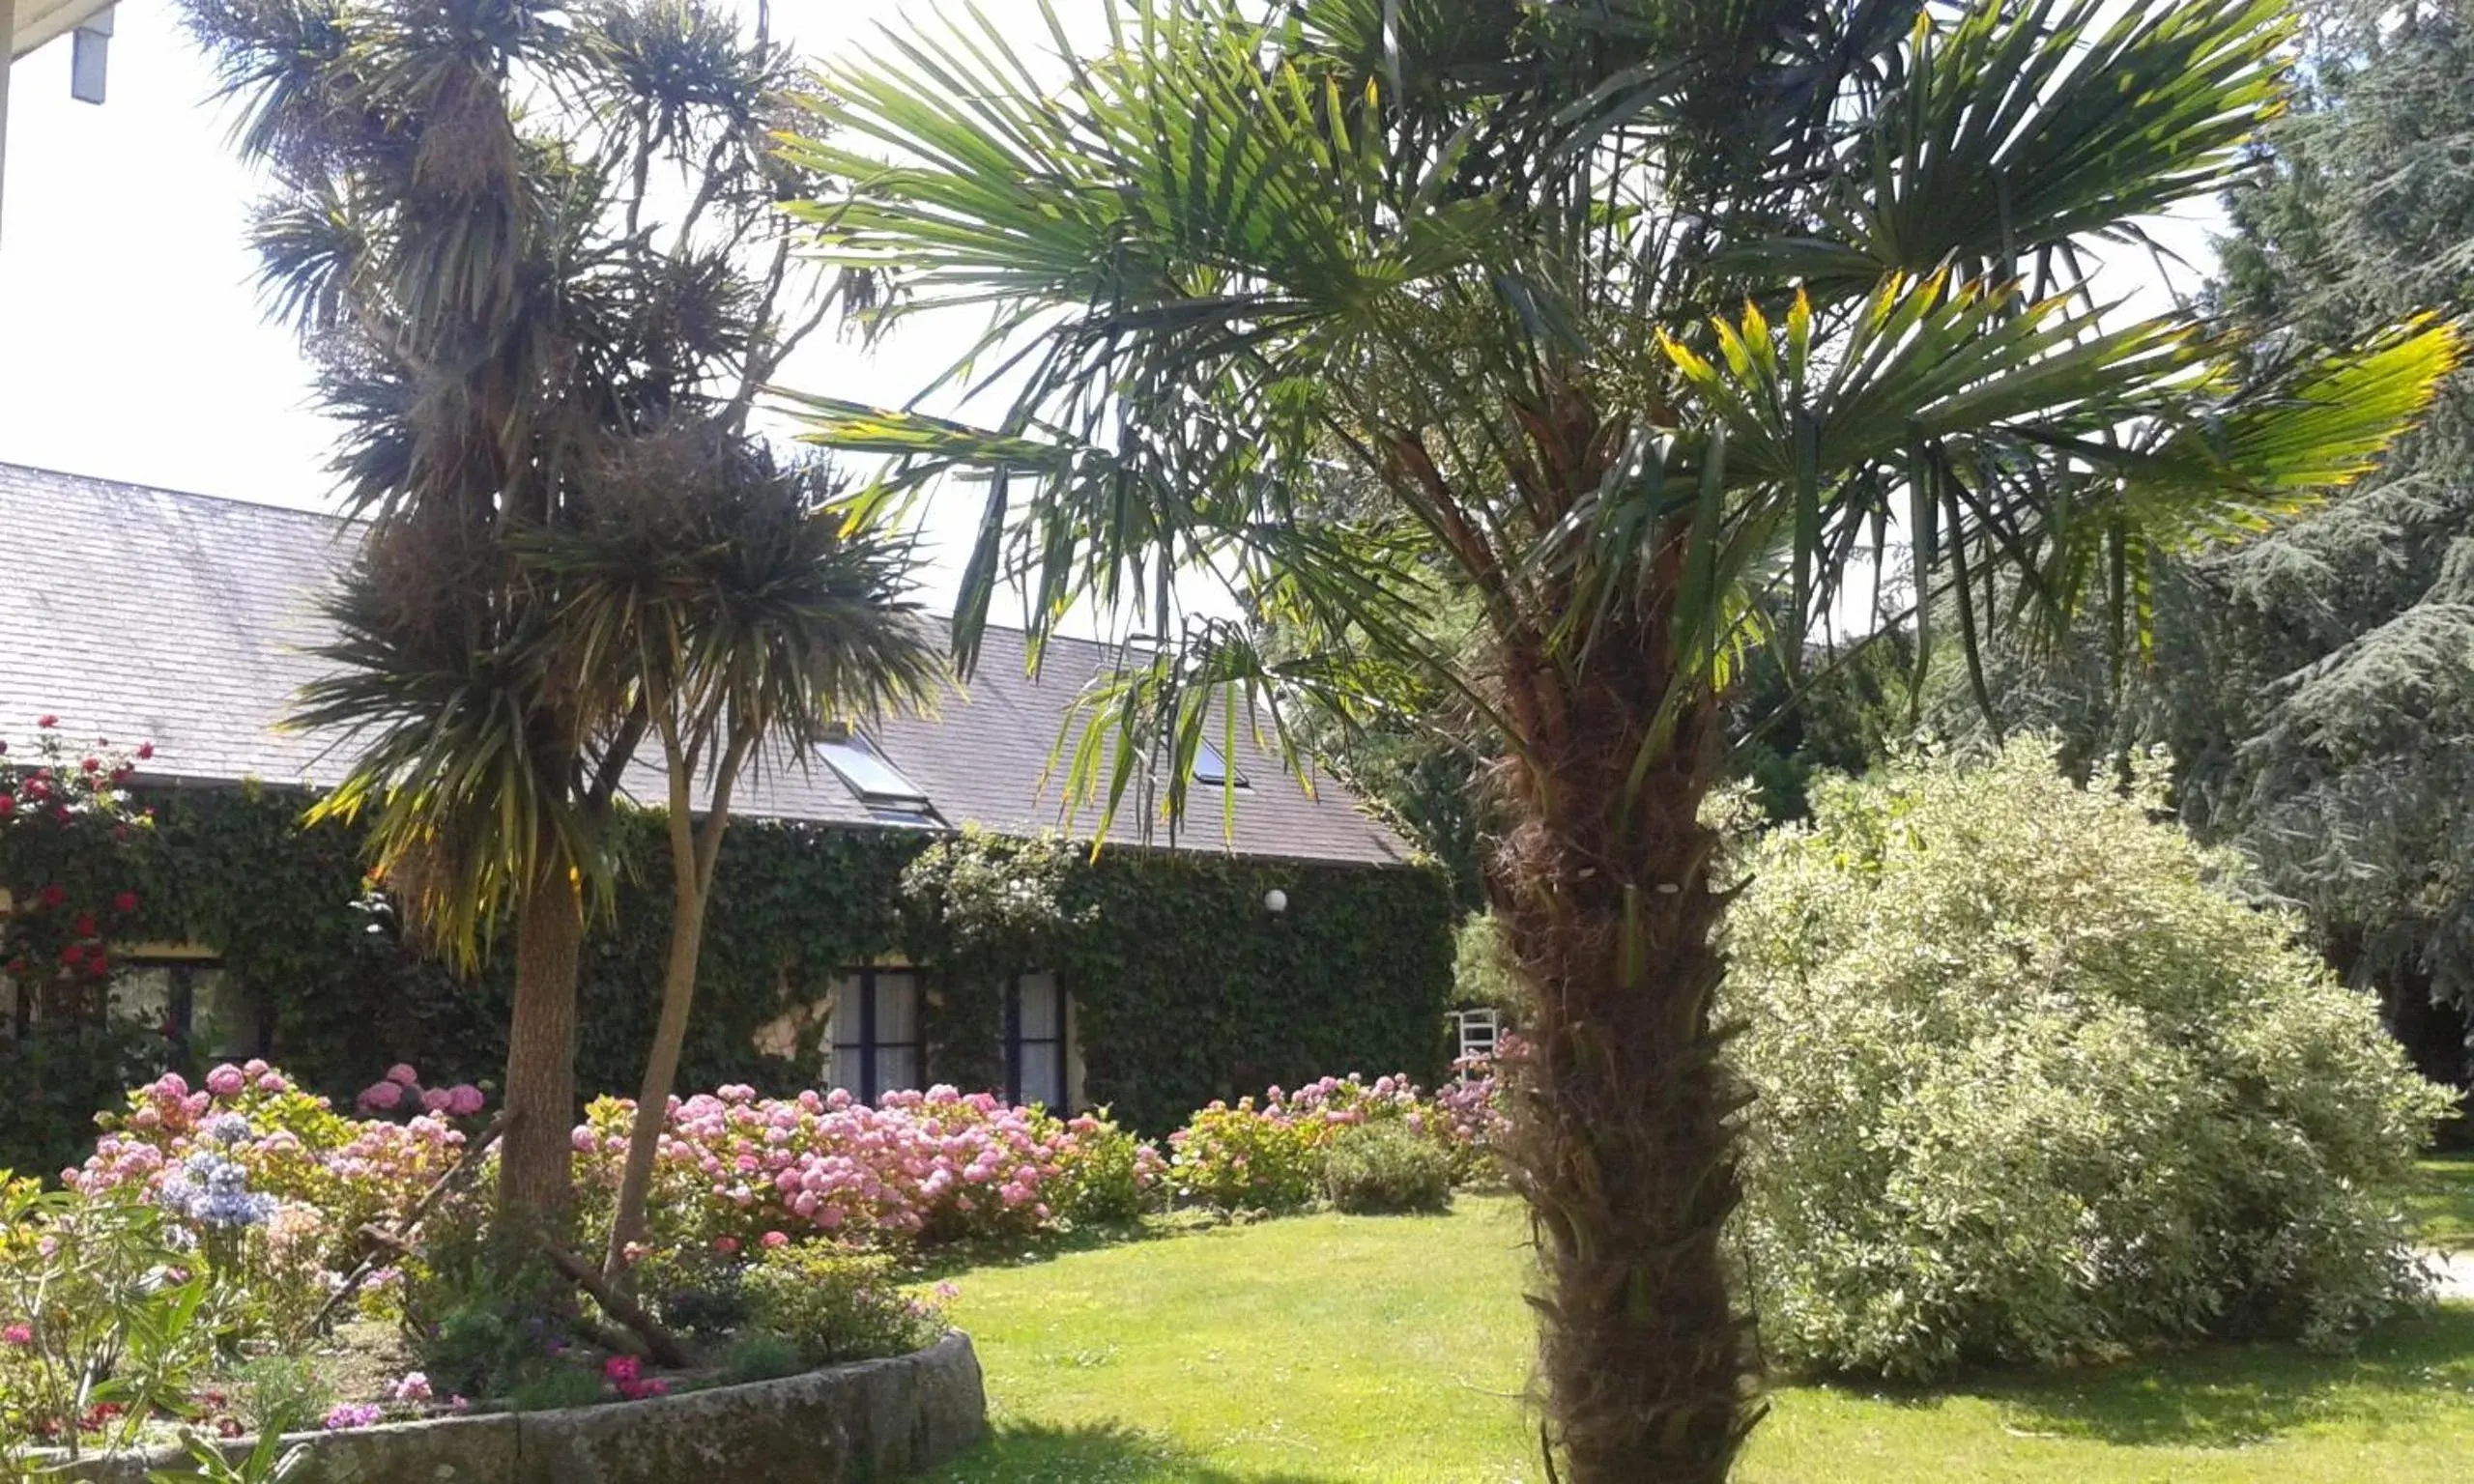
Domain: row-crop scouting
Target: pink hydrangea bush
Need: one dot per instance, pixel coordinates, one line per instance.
(320, 1175)
(934, 1166)
(1244, 1158)
(1107, 1175)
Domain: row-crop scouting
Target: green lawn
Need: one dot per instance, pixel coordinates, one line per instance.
(1332, 1348)
(2444, 1212)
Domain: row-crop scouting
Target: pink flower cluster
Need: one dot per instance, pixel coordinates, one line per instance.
(162, 1123)
(347, 1416)
(1270, 1156)
(626, 1376)
(293, 1147)
(1334, 1103)
(1471, 1104)
(1322, 1108)
(401, 1091)
(933, 1165)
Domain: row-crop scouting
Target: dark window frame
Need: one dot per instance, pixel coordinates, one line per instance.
(1060, 1044)
(868, 1047)
(180, 1010)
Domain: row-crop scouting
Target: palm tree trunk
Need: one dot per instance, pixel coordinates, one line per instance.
(1621, 1141)
(535, 1188)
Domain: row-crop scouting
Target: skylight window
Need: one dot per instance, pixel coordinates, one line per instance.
(1212, 768)
(878, 784)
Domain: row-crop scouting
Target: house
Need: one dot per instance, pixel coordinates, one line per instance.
(187, 621)
(27, 26)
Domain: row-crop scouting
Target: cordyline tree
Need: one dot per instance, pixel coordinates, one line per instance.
(1643, 318)
(535, 251)
(725, 595)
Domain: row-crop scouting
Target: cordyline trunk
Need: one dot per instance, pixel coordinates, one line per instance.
(1621, 1141)
(535, 1154)
(693, 855)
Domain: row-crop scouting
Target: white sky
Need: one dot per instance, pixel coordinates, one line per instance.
(132, 345)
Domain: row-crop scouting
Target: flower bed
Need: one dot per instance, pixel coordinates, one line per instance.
(235, 1211)
(876, 1420)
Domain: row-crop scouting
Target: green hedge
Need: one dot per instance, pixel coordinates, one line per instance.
(1184, 986)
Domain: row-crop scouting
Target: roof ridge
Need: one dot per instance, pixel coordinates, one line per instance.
(333, 519)
(11, 466)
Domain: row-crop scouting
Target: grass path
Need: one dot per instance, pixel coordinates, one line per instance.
(1328, 1349)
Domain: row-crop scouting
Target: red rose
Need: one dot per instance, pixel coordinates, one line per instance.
(145, 750)
(46, 721)
(37, 788)
(85, 924)
(93, 764)
(120, 775)
(98, 965)
(124, 902)
(8, 805)
(54, 895)
(73, 952)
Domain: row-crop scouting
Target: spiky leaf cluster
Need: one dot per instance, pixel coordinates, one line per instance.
(533, 251)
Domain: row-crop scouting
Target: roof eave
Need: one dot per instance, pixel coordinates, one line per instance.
(45, 20)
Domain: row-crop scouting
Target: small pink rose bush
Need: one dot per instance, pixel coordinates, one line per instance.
(624, 1375)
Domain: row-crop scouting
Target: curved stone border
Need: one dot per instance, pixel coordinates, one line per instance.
(878, 1420)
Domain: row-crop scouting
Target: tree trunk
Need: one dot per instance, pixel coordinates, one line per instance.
(661, 1069)
(694, 856)
(1621, 1141)
(536, 1157)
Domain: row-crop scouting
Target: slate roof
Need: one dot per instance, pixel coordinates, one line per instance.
(187, 620)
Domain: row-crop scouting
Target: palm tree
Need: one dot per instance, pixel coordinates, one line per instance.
(729, 598)
(524, 242)
(1633, 321)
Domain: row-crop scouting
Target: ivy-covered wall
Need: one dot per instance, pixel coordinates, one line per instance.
(1189, 988)
(1186, 986)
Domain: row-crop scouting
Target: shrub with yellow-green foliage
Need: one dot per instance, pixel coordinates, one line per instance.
(2035, 1084)
(835, 1304)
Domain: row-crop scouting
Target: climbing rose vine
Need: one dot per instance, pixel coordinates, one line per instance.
(64, 810)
